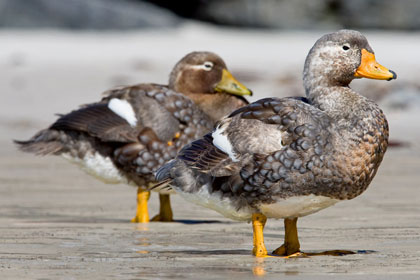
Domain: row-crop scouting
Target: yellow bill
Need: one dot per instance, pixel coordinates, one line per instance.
(230, 85)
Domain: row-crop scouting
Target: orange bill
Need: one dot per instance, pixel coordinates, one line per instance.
(371, 69)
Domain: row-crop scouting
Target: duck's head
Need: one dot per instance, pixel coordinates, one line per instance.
(204, 72)
(338, 58)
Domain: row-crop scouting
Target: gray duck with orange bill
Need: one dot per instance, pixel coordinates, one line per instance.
(290, 157)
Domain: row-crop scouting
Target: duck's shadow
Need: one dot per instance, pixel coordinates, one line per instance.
(74, 219)
(90, 220)
(243, 252)
(337, 253)
(197, 222)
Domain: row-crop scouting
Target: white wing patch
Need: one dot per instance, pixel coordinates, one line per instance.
(222, 142)
(123, 109)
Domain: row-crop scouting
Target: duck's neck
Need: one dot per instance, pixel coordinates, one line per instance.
(217, 105)
(327, 85)
(338, 102)
(337, 99)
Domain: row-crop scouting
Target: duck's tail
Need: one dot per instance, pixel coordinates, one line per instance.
(164, 172)
(163, 186)
(163, 176)
(43, 143)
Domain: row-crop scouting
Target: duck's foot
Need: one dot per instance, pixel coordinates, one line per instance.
(159, 218)
(260, 251)
(288, 250)
(140, 219)
(263, 254)
(282, 252)
(165, 212)
(142, 213)
(295, 256)
(291, 246)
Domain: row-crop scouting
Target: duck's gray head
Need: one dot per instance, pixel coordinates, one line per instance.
(204, 72)
(337, 58)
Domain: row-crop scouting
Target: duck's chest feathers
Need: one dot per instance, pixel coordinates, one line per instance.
(361, 150)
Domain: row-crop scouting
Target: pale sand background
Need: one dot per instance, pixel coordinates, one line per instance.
(58, 223)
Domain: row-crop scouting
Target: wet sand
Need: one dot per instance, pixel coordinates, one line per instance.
(58, 223)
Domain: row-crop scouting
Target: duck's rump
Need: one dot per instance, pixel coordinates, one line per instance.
(87, 152)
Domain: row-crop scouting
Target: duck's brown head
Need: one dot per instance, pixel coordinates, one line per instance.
(204, 72)
(337, 58)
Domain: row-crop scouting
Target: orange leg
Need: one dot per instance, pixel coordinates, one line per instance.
(165, 211)
(258, 223)
(291, 240)
(291, 246)
(142, 214)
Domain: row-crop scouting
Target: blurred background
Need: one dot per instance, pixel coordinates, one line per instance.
(58, 54)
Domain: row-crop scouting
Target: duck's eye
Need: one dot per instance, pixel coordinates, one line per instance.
(346, 48)
(208, 65)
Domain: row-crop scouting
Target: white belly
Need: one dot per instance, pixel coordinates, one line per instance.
(98, 166)
(215, 202)
(296, 206)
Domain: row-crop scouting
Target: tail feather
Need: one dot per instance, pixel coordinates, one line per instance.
(164, 177)
(162, 186)
(45, 142)
(164, 172)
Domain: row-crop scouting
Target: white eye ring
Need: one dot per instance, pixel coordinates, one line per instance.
(208, 65)
(346, 47)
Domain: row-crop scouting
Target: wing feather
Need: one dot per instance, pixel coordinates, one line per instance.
(99, 121)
